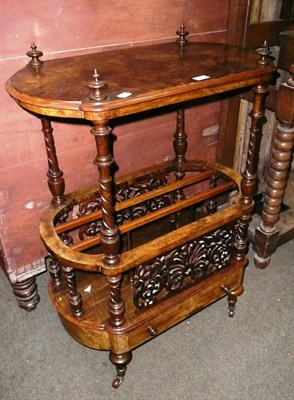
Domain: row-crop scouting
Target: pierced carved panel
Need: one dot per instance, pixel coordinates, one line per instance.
(145, 207)
(87, 207)
(185, 265)
(129, 214)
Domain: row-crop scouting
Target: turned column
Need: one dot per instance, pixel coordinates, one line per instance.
(249, 176)
(109, 231)
(180, 148)
(211, 205)
(55, 175)
(110, 239)
(267, 235)
(104, 162)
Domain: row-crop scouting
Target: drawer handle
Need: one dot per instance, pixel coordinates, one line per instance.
(153, 331)
(226, 289)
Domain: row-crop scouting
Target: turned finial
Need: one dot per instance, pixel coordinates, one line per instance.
(264, 54)
(96, 86)
(35, 55)
(182, 33)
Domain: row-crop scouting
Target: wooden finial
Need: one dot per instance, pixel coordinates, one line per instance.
(182, 35)
(97, 87)
(264, 54)
(35, 55)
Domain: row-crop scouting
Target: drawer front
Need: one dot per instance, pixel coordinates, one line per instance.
(163, 316)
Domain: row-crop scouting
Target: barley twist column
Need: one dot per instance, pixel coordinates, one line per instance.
(55, 175)
(248, 182)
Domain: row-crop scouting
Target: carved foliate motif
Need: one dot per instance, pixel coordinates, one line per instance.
(129, 214)
(145, 207)
(87, 207)
(183, 266)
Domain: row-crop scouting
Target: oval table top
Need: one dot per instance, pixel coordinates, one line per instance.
(135, 79)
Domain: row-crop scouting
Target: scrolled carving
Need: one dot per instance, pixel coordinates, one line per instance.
(90, 230)
(145, 207)
(185, 265)
(87, 207)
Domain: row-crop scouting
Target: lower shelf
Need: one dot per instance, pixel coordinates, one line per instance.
(93, 329)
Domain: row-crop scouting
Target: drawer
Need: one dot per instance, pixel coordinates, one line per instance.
(162, 316)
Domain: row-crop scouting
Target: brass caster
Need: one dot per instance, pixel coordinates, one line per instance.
(232, 299)
(120, 361)
(117, 381)
(231, 312)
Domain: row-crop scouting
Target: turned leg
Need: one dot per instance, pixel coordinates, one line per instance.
(110, 240)
(26, 293)
(55, 175)
(232, 298)
(116, 309)
(267, 235)
(248, 183)
(120, 361)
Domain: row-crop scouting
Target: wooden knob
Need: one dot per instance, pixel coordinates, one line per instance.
(226, 289)
(153, 331)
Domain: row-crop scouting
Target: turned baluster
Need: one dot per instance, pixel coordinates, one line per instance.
(116, 309)
(267, 235)
(180, 148)
(75, 297)
(55, 175)
(104, 162)
(116, 305)
(109, 231)
(110, 241)
(54, 270)
(211, 204)
(249, 177)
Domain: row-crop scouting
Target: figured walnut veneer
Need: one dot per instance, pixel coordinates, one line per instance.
(156, 76)
(134, 256)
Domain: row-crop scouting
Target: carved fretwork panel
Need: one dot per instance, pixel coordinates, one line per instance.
(87, 207)
(138, 210)
(190, 263)
(145, 207)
